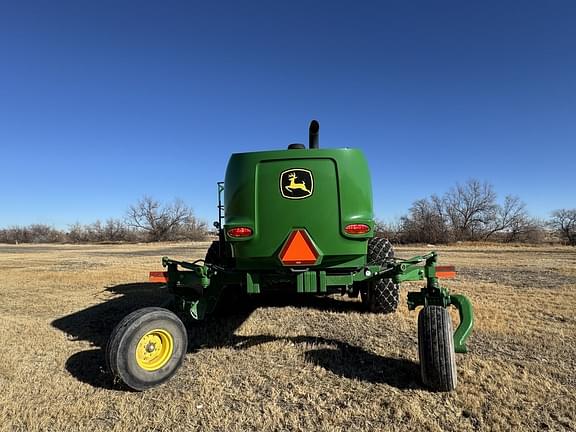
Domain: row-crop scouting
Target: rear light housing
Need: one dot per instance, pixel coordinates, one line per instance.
(240, 232)
(357, 229)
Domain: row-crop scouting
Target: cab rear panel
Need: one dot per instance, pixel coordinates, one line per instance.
(320, 191)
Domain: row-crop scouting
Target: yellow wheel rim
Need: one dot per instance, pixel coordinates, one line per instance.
(154, 349)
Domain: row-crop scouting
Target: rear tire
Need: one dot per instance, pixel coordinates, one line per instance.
(213, 254)
(232, 295)
(383, 295)
(146, 348)
(436, 349)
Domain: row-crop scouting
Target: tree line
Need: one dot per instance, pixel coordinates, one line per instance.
(146, 221)
(467, 212)
(471, 212)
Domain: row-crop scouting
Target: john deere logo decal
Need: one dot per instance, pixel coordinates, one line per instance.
(296, 183)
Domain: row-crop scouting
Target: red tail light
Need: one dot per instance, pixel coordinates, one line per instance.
(240, 232)
(357, 229)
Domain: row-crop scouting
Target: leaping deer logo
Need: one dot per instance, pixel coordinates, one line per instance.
(296, 183)
(293, 185)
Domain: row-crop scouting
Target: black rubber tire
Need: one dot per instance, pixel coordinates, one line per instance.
(232, 295)
(213, 254)
(436, 349)
(383, 295)
(122, 344)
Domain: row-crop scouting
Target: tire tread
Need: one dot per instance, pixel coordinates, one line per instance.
(436, 349)
(382, 296)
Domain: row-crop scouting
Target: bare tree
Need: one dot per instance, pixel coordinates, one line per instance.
(525, 230)
(564, 222)
(95, 232)
(391, 230)
(77, 233)
(16, 234)
(147, 220)
(35, 233)
(425, 223)
(193, 229)
(471, 208)
(511, 216)
(116, 230)
(469, 212)
(163, 222)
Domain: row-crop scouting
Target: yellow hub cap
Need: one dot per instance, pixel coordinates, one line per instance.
(154, 349)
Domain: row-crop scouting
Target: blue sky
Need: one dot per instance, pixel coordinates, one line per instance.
(103, 102)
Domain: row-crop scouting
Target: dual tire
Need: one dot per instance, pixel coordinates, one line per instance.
(381, 296)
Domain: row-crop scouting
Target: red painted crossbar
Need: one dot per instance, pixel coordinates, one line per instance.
(158, 277)
(445, 272)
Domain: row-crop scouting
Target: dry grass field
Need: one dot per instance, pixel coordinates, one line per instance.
(318, 364)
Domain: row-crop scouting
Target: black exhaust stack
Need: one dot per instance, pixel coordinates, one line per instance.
(313, 135)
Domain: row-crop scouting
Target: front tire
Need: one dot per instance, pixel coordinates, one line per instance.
(436, 349)
(146, 348)
(383, 295)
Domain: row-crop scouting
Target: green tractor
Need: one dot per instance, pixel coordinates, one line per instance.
(301, 220)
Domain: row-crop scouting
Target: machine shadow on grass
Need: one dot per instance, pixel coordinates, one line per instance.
(95, 324)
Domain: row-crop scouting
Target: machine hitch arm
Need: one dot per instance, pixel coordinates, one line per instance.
(433, 294)
(198, 287)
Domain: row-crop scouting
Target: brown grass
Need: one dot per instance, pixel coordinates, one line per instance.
(319, 364)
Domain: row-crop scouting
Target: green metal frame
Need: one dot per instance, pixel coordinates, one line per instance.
(434, 294)
(198, 288)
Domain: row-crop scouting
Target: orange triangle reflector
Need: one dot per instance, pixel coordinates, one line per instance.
(299, 249)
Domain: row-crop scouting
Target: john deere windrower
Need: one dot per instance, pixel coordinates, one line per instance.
(300, 220)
